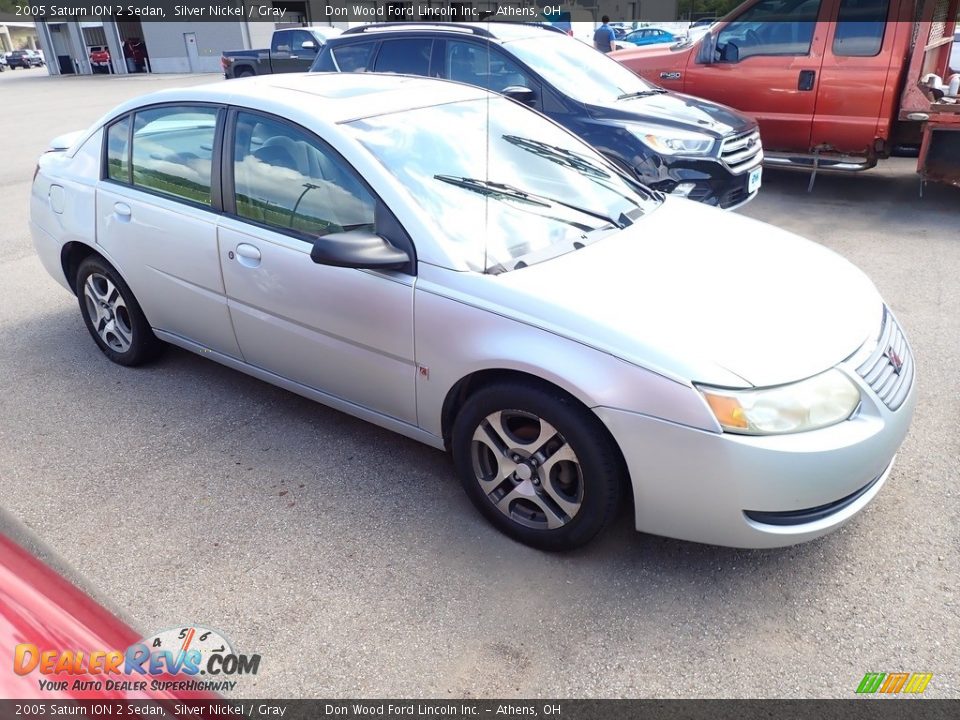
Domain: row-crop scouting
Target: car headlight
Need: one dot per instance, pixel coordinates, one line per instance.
(824, 399)
(668, 141)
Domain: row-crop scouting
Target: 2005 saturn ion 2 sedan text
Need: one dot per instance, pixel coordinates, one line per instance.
(449, 264)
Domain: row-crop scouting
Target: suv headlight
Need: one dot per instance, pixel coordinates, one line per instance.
(824, 399)
(668, 141)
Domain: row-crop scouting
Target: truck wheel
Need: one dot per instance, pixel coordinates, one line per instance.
(244, 72)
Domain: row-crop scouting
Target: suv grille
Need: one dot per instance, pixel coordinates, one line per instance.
(889, 369)
(742, 152)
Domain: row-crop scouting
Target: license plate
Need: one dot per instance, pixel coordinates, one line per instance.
(753, 182)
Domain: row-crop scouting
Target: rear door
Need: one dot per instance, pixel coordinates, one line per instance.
(852, 85)
(157, 211)
(767, 64)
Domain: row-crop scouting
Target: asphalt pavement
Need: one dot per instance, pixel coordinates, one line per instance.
(350, 559)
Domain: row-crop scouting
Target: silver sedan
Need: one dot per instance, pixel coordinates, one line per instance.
(452, 266)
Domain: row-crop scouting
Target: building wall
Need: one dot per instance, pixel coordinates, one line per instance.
(167, 46)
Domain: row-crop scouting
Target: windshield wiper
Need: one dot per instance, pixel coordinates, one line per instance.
(497, 189)
(561, 155)
(641, 93)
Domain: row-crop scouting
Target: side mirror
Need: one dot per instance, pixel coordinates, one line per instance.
(358, 249)
(309, 45)
(520, 93)
(708, 46)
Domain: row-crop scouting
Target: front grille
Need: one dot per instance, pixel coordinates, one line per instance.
(742, 152)
(890, 368)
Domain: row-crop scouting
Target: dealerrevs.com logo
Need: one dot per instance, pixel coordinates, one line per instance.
(179, 659)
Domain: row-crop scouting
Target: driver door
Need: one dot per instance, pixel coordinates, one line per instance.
(343, 331)
(767, 64)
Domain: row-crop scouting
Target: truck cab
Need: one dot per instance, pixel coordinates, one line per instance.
(820, 76)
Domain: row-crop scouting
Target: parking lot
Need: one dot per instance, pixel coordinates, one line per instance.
(351, 560)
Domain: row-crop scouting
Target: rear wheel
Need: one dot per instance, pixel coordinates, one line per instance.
(537, 464)
(113, 316)
(244, 72)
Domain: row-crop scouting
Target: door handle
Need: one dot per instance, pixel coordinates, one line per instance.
(248, 255)
(122, 211)
(806, 79)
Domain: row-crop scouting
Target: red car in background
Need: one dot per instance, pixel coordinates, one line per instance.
(100, 59)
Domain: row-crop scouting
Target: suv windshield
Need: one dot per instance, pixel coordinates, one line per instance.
(577, 70)
(507, 186)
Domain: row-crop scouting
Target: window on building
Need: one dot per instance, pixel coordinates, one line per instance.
(173, 151)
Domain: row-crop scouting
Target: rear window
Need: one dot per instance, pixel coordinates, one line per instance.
(118, 155)
(860, 27)
(410, 56)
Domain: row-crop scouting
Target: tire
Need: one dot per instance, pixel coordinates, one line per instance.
(112, 315)
(244, 72)
(537, 464)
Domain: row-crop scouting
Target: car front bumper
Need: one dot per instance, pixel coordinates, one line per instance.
(758, 491)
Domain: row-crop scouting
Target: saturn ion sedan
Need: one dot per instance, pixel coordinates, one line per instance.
(450, 265)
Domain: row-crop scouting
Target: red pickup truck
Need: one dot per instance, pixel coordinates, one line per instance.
(834, 84)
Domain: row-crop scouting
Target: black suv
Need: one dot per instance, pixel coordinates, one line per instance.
(674, 143)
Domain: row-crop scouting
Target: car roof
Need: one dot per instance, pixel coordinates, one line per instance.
(333, 97)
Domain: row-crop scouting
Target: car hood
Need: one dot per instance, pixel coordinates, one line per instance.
(703, 295)
(676, 110)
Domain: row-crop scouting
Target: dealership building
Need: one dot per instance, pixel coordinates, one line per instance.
(185, 47)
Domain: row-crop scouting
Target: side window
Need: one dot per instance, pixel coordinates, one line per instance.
(173, 151)
(410, 56)
(286, 178)
(353, 58)
(281, 41)
(299, 38)
(476, 64)
(118, 137)
(860, 27)
(771, 27)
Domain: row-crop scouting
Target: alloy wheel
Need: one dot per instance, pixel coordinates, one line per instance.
(108, 312)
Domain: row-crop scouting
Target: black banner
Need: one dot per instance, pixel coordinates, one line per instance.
(858, 709)
(324, 11)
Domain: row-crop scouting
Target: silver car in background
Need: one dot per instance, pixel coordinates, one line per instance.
(450, 265)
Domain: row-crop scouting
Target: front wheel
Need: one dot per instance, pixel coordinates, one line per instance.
(113, 316)
(537, 464)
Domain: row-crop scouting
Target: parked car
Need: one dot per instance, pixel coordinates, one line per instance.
(291, 50)
(100, 59)
(25, 59)
(674, 143)
(833, 88)
(649, 36)
(445, 263)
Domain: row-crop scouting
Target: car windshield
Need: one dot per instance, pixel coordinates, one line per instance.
(577, 70)
(508, 187)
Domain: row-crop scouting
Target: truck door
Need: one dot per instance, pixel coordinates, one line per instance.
(855, 75)
(287, 53)
(766, 63)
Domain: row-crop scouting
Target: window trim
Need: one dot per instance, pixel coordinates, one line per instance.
(216, 180)
(229, 190)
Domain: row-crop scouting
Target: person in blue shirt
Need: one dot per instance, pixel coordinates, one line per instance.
(604, 36)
